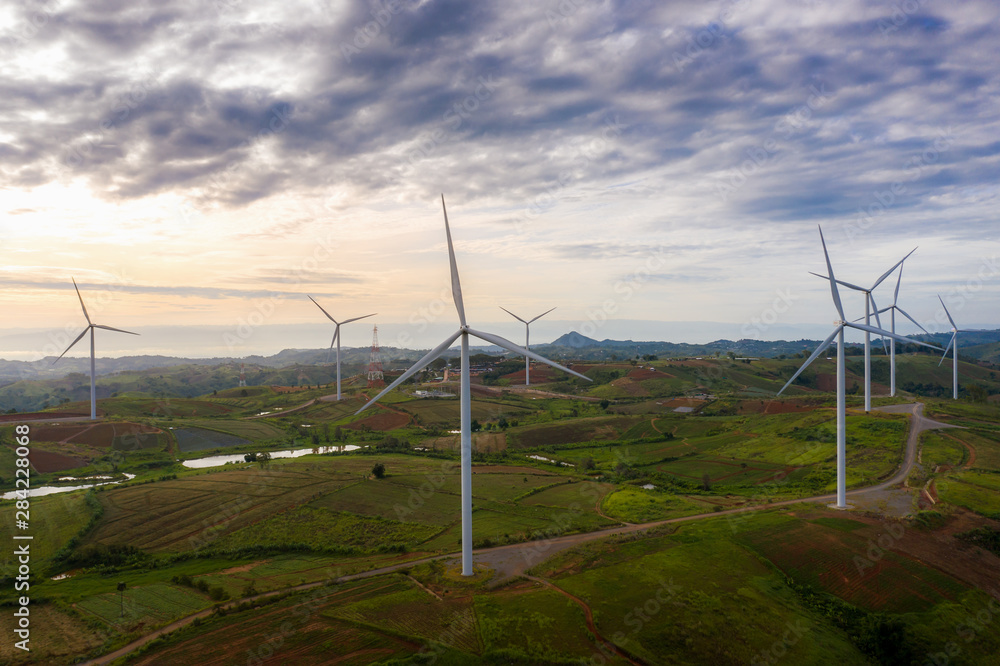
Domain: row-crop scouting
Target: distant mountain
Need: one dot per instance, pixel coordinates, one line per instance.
(574, 340)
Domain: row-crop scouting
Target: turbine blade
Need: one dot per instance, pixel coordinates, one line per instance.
(883, 332)
(81, 302)
(895, 295)
(321, 308)
(903, 312)
(415, 368)
(541, 315)
(456, 286)
(819, 350)
(947, 349)
(348, 321)
(878, 321)
(895, 266)
(833, 278)
(72, 343)
(841, 282)
(512, 314)
(109, 328)
(517, 349)
(953, 326)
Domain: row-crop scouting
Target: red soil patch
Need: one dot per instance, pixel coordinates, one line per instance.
(40, 416)
(98, 434)
(48, 461)
(381, 422)
(684, 402)
(630, 387)
(827, 383)
(540, 374)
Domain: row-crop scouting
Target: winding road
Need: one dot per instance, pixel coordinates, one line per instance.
(514, 559)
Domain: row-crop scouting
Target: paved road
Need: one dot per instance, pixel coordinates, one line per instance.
(514, 559)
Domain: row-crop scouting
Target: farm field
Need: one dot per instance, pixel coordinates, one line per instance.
(823, 557)
(253, 430)
(193, 440)
(255, 528)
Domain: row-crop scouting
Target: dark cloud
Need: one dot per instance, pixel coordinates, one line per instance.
(499, 99)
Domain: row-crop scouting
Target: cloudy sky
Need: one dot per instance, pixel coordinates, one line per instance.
(640, 165)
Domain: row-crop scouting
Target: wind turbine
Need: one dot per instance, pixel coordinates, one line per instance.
(892, 309)
(336, 336)
(527, 334)
(869, 306)
(838, 333)
(90, 327)
(954, 352)
(463, 332)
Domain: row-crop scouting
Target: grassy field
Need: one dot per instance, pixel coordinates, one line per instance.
(255, 430)
(938, 450)
(149, 605)
(56, 520)
(975, 492)
(568, 432)
(541, 624)
(636, 505)
(295, 521)
(320, 530)
(192, 440)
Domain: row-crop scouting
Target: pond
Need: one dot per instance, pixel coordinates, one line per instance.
(216, 461)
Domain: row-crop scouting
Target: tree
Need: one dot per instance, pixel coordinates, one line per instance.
(605, 403)
(587, 463)
(706, 481)
(378, 471)
(476, 426)
(244, 393)
(264, 459)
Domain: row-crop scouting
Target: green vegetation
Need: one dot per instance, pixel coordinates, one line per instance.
(546, 466)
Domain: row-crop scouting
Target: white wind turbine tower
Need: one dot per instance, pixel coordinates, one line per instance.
(954, 351)
(838, 333)
(90, 327)
(466, 398)
(869, 306)
(527, 334)
(892, 309)
(336, 336)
